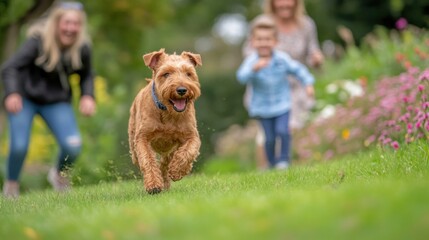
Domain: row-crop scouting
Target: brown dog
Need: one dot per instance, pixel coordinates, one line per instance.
(162, 120)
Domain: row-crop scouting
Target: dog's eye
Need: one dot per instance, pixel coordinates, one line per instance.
(189, 74)
(166, 75)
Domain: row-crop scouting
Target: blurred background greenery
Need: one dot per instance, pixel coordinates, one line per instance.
(123, 30)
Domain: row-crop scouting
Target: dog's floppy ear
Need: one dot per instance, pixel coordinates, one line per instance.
(152, 59)
(195, 58)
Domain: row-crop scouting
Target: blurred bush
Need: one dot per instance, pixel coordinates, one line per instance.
(377, 69)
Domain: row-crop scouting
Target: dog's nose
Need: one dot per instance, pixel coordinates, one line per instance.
(181, 91)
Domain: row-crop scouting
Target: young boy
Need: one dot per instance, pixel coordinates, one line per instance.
(267, 70)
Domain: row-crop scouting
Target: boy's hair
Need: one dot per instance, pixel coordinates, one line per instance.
(263, 22)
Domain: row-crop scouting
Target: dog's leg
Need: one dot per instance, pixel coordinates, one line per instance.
(183, 159)
(131, 135)
(149, 167)
(165, 160)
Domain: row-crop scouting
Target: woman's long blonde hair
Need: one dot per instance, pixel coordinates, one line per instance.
(298, 14)
(47, 29)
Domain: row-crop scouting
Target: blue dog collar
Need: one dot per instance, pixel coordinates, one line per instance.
(158, 104)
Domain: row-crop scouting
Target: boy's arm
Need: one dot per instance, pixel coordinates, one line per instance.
(300, 71)
(245, 72)
(302, 74)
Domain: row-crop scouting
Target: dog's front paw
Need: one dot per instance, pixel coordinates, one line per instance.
(153, 191)
(154, 187)
(177, 174)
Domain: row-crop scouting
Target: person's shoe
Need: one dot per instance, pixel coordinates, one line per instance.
(58, 180)
(282, 165)
(11, 189)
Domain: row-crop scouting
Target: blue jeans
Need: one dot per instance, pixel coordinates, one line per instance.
(276, 127)
(59, 117)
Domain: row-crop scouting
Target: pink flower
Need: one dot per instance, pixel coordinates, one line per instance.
(387, 140)
(395, 145)
(401, 23)
(421, 88)
(329, 154)
(409, 128)
(424, 75)
(390, 123)
(405, 117)
(398, 128)
(425, 105)
(418, 124)
(413, 70)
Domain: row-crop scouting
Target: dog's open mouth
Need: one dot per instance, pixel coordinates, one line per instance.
(179, 105)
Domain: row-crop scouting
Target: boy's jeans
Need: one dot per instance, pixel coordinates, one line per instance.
(277, 127)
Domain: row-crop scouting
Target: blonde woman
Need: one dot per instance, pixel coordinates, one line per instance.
(36, 83)
(297, 31)
(297, 36)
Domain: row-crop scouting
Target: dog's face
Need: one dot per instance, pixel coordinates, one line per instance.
(175, 77)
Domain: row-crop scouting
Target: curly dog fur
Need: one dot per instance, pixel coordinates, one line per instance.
(162, 120)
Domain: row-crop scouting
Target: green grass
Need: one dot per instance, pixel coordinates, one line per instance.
(374, 195)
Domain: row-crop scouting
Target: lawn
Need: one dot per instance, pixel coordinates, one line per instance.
(380, 194)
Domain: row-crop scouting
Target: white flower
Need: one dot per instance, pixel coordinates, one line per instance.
(327, 112)
(352, 88)
(331, 88)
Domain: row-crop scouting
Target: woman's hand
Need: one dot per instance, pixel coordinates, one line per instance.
(317, 59)
(87, 105)
(13, 103)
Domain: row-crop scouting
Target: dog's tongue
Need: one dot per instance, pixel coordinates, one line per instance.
(179, 104)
